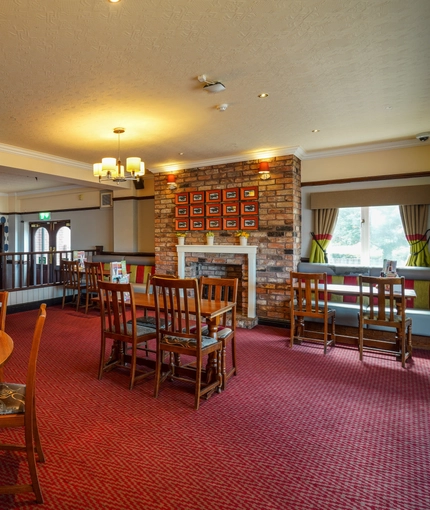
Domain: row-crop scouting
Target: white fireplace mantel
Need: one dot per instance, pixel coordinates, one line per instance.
(249, 251)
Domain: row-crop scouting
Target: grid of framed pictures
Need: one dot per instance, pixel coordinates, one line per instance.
(226, 209)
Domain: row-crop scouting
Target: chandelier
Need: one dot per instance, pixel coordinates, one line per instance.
(111, 169)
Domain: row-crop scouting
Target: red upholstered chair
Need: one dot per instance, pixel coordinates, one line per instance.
(309, 299)
(18, 409)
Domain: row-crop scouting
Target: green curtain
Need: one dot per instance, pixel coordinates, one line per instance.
(324, 225)
(414, 220)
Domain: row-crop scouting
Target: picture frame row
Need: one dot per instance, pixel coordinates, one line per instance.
(230, 223)
(217, 209)
(217, 195)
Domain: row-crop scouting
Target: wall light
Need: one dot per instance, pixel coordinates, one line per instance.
(171, 182)
(264, 170)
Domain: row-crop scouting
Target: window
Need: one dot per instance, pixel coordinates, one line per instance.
(367, 236)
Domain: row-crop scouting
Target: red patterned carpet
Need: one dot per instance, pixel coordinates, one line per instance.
(294, 430)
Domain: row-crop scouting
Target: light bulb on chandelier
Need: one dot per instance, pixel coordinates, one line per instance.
(111, 169)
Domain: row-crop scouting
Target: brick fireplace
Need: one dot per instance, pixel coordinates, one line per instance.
(277, 242)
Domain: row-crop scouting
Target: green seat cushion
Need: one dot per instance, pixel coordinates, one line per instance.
(12, 398)
(188, 342)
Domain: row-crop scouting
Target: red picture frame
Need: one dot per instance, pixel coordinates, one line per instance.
(213, 223)
(247, 208)
(182, 211)
(231, 223)
(230, 209)
(182, 224)
(249, 193)
(197, 224)
(213, 195)
(182, 198)
(197, 210)
(230, 194)
(197, 197)
(249, 223)
(213, 209)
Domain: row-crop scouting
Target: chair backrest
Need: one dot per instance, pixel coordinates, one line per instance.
(149, 285)
(221, 289)
(31, 372)
(309, 290)
(4, 294)
(117, 306)
(70, 273)
(382, 298)
(177, 301)
(93, 273)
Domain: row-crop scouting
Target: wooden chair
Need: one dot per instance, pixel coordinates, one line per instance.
(4, 294)
(177, 303)
(118, 322)
(93, 274)
(383, 304)
(72, 280)
(18, 409)
(307, 302)
(223, 289)
(145, 319)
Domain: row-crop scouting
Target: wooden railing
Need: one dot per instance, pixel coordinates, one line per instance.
(25, 270)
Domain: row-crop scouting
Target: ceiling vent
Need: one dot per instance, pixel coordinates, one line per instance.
(106, 199)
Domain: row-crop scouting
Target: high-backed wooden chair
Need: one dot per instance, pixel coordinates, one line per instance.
(18, 409)
(145, 319)
(309, 299)
(93, 274)
(383, 304)
(72, 280)
(177, 304)
(223, 289)
(118, 322)
(4, 294)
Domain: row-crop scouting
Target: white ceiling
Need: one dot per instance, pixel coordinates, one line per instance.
(357, 70)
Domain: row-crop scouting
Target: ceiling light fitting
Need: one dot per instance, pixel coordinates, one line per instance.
(110, 169)
(211, 86)
(222, 107)
(263, 95)
(264, 170)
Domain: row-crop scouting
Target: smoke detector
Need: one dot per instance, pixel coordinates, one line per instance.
(423, 137)
(211, 86)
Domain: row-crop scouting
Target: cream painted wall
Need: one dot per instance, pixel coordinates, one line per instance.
(146, 221)
(368, 164)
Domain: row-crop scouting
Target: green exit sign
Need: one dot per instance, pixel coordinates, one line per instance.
(44, 216)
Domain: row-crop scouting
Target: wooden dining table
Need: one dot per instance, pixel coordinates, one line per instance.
(6, 348)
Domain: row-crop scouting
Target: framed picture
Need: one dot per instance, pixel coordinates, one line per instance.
(197, 197)
(249, 208)
(230, 209)
(213, 195)
(197, 224)
(213, 223)
(182, 225)
(230, 194)
(213, 209)
(181, 198)
(249, 223)
(197, 210)
(230, 223)
(182, 210)
(249, 193)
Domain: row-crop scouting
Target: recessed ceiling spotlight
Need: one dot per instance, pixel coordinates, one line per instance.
(181, 153)
(114, 1)
(315, 130)
(263, 95)
(222, 107)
